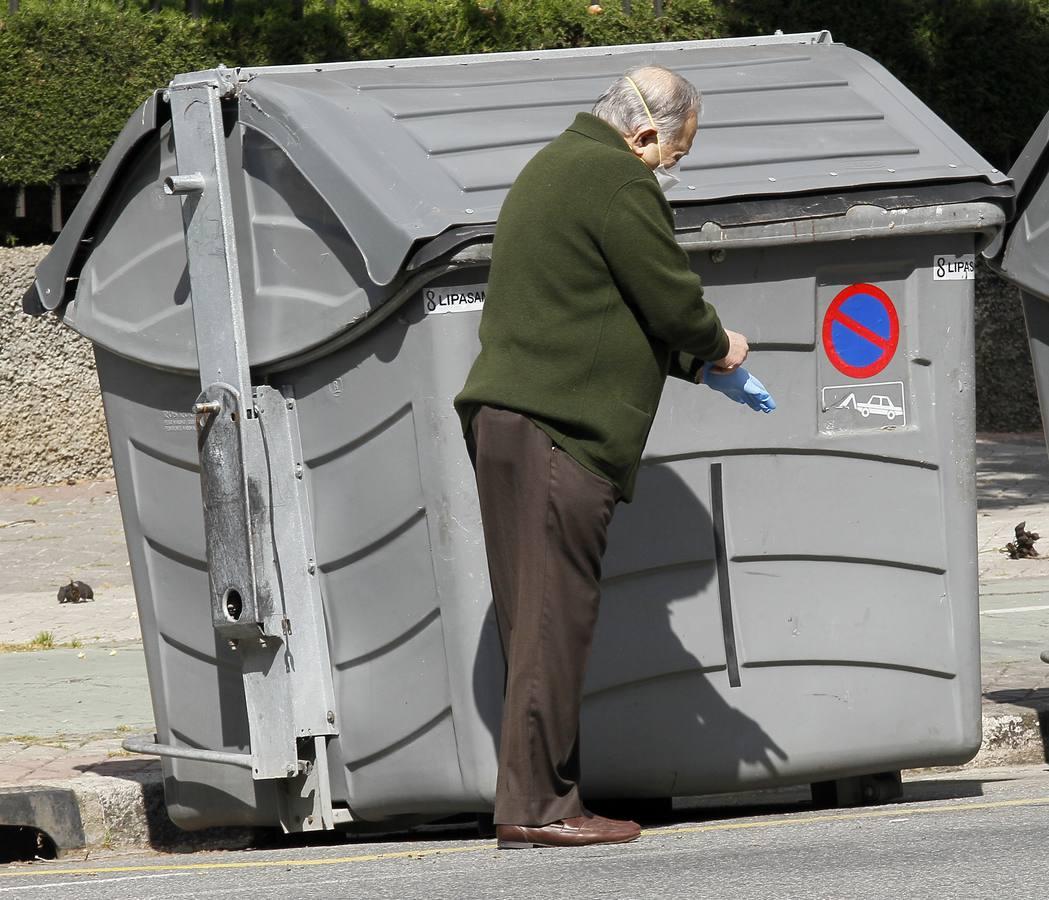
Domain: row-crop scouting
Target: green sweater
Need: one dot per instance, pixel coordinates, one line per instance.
(590, 303)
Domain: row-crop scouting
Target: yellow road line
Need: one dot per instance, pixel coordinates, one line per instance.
(896, 812)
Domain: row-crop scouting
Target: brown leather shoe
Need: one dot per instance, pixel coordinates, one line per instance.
(579, 831)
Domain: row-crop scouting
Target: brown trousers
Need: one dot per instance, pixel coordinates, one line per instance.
(545, 523)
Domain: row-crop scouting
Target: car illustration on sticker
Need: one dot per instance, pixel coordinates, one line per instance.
(878, 405)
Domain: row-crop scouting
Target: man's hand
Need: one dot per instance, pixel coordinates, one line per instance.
(739, 385)
(738, 348)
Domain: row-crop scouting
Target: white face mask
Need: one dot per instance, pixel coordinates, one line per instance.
(666, 179)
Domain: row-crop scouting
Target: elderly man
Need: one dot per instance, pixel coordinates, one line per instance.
(591, 304)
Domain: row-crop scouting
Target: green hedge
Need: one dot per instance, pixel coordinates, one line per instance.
(72, 71)
(71, 74)
(263, 32)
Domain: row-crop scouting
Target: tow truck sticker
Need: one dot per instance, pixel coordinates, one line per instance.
(852, 407)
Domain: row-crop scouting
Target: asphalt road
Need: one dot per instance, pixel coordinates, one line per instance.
(971, 834)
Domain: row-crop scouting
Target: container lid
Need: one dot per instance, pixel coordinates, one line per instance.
(403, 153)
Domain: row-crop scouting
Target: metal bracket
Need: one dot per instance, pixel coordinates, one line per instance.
(264, 595)
(300, 616)
(306, 805)
(207, 214)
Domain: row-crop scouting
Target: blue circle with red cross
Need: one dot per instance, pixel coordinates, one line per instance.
(861, 331)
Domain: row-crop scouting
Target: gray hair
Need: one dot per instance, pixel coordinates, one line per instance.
(669, 96)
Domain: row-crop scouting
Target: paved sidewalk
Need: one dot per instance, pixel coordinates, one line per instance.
(1013, 487)
(51, 534)
(63, 711)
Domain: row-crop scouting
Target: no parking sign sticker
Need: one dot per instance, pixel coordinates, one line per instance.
(861, 331)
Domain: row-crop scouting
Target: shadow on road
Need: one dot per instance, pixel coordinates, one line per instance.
(1031, 698)
(1012, 471)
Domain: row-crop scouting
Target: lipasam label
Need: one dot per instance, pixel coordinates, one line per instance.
(454, 298)
(954, 268)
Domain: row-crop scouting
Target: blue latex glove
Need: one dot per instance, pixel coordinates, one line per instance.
(741, 386)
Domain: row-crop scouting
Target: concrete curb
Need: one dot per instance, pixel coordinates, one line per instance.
(102, 812)
(1012, 739)
(120, 813)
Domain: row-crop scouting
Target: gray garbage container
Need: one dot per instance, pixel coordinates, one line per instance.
(282, 272)
(1021, 253)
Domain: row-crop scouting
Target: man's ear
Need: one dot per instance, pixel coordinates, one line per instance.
(643, 137)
